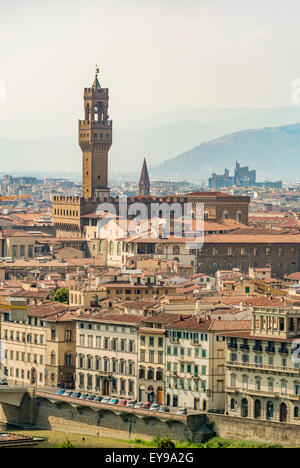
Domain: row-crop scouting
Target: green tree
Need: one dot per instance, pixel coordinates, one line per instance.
(61, 295)
(166, 442)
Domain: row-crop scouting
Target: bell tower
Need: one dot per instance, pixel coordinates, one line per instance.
(95, 140)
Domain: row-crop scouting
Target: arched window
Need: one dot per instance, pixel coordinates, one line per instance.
(244, 408)
(270, 410)
(94, 300)
(111, 247)
(141, 373)
(239, 216)
(176, 250)
(119, 248)
(114, 364)
(53, 358)
(283, 412)
(225, 215)
(232, 404)
(296, 412)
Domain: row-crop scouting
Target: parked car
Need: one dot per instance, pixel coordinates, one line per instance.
(105, 400)
(113, 401)
(131, 403)
(83, 396)
(181, 411)
(91, 397)
(216, 411)
(146, 405)
(154, 407)
(60, 392)
(122, 403)
(68, 394)
(138, 405)
(164, 409)
(3, 382)
(98, 398)
(76, 395)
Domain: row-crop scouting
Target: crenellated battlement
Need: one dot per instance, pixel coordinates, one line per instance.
(89, 92)
(69, 200)
(97, 125)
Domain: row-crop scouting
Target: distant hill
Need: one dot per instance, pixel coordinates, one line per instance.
(273, 152)
(159, 138)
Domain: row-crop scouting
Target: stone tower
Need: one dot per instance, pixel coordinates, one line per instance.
(144, 182)
(95, 139)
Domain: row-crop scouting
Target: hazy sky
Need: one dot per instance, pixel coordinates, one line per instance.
(154, 55)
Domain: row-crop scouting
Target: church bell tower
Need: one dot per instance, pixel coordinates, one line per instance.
(95, 140)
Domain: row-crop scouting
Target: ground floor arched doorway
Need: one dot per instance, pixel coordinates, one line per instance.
(257, 409)
(106, 387)
(160, 396)
(283, 412)
(151, 394)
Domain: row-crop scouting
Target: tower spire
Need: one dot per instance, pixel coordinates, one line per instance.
(144, 182)
(96, 84)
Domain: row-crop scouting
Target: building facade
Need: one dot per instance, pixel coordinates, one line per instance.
(107, 354)
(262, 365)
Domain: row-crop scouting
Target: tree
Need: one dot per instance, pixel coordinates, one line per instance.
(166, 442)
(61, 295)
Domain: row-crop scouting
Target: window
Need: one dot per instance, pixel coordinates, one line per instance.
(257, 384)
(151, 356)
(52, 358)
(81, 340)
(233, 381)
(283, 386)
(176, 250)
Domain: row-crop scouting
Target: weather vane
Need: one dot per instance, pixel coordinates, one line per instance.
(97, 70)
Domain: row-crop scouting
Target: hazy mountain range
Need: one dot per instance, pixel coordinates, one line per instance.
(196, 135)
(273, 151)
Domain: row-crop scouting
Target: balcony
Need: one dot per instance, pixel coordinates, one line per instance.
(174, 340)
(195, 343)
(231, 345)
(283, 351)
(262, 393)
(249, 365)
(270, 349)
(257, 348)
(244, 347)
